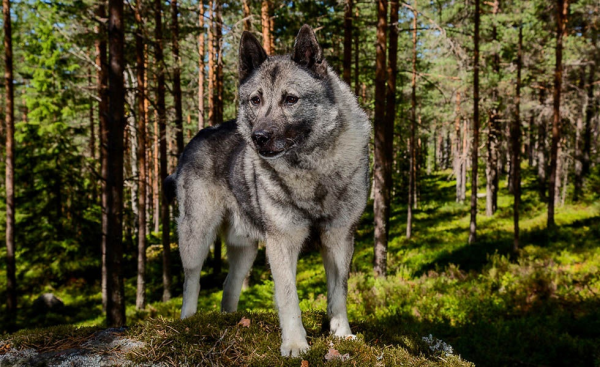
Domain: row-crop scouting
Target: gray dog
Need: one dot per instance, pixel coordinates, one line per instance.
(293, 168)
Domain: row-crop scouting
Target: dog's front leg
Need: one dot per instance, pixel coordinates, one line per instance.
(282, 252)
(337, 250)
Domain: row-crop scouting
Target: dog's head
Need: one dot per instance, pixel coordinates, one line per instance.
(287, 103)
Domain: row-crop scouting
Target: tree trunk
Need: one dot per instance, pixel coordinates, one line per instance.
(219, 72)
(493, 142)
(247, 16)
(266, 26)
(201, 66)
(531, 146)
(177, 77)
(541, 150)
(381, 187)
(140, 299)
(271, 29)
(211, 63)
(561, 15)
(11, 279)
(457, 150)
(162, 134)
(218, 107)
(392, 71)
(92, 127)
(115, 305)
(464, 161)
(560, 160)
(578, 184)
(515, 135)
(356, 56)
(413, 127)
(475, 144)
(348, 42)
(156, 175)
(591, 110)
(102, 80)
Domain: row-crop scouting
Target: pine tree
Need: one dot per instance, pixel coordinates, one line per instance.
(475, 144)
(381, 185)
(11, 280)
(115, 305)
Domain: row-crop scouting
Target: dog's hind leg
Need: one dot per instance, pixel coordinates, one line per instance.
(241, 258)
(337, 250)
(200, 217)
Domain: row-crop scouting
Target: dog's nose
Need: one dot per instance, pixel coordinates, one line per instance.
(261, 137)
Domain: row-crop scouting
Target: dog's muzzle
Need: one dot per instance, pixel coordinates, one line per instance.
(267, 145)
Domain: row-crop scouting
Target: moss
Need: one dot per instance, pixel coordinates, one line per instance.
(55, 338)
(214, 338)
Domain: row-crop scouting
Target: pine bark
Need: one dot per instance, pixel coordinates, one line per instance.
(592, 108)
(156, 175)
(356, 56)
(92, 126)
(211, 63)
(177, 76)
(515, 135)
(561, 15)
(218, 107)
(541, 149)
(457, 151)
(413, 127)
(266, 26)
(475, 144)
(493, 142)
(201, 66)
(579, 128)
(271, 29)
(464, 160)
(392, 71)
(381, 187)
(140, 299)
(115, 305)
(348, 42)
(162, 135)
(218, 103)
(247, 16)
(11, 279)
(102, 80)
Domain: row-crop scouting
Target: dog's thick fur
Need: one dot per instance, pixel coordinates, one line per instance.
(306, 180)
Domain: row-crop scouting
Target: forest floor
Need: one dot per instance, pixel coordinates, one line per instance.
(537, 307)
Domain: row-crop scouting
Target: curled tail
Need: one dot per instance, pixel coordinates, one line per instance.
(170, 187)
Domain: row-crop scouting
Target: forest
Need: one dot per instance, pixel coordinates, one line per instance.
(483, 222)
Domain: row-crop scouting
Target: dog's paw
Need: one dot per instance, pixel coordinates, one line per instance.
(340, 328)
(294, 348)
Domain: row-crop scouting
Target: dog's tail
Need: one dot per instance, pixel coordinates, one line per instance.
(170, 187)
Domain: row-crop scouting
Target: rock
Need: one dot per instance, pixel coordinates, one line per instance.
(48, 302)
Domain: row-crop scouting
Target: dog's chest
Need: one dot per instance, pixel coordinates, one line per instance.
(315, 195)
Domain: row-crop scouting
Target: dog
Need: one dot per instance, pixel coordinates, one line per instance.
(292, 169)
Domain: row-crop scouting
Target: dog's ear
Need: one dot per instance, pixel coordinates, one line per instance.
(252, 55)
(307, 51)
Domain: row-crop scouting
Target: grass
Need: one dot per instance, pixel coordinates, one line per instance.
(537, 307)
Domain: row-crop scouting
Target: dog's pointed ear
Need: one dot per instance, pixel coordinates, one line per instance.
(252, 55)
(307, 51)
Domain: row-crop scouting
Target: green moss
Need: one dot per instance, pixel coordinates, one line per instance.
(215, 338)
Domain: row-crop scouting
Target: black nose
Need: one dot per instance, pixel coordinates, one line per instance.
(261, 137)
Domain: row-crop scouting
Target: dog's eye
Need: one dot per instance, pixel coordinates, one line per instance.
(255, 100)
(290, 100)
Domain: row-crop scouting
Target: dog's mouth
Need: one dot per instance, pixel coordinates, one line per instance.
(271, 154)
